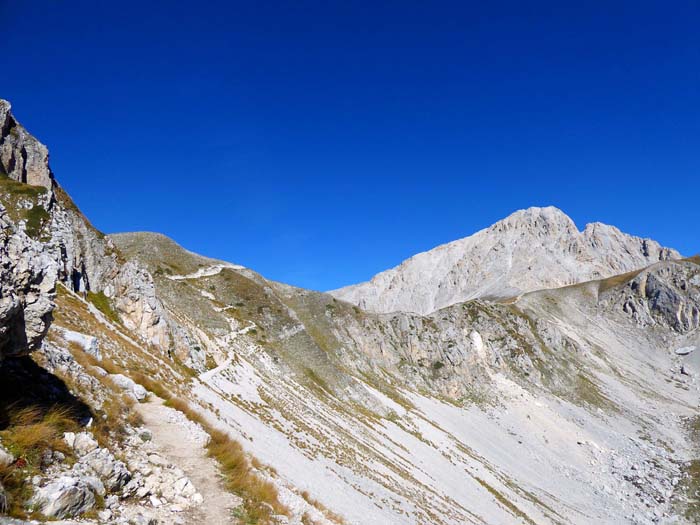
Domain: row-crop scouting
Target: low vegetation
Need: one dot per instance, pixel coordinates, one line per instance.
(332, 516)
(22, 204)
(31, 432)
(104, 305)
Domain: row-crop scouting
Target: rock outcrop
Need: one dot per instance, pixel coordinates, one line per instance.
(529, 250)
(28, 278)
(67, 496)
(47, 240)
(22, 157)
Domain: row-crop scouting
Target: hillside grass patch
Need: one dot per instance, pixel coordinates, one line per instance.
(100, 301)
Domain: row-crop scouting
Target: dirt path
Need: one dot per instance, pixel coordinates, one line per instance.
(174, 443)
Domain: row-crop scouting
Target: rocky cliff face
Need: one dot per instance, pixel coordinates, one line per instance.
(47, 240)
(27, 281)
(531, 249)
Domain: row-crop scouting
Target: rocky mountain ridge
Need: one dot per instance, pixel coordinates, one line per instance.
(531, 249)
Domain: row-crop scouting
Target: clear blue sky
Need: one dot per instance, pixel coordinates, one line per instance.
(321, 142)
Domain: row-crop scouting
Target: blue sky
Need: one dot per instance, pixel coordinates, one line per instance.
(321, 142)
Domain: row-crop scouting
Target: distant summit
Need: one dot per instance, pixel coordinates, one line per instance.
(529, 250)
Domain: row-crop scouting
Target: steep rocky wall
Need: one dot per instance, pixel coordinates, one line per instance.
(665, 295)
(28, 278)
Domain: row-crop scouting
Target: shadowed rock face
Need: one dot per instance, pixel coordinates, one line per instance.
(529, 250)
(22, 157)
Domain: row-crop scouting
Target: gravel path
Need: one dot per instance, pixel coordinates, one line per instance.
(180, 441)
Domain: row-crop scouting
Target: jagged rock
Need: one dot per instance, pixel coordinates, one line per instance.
(135, 298)
(22, 157)
(66, 497)
(112, 473)
(27, 279)
(529, 250)
(112, 501)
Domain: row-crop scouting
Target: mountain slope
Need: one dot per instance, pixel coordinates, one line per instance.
(534, 412)
(576, 404)
(529, 250)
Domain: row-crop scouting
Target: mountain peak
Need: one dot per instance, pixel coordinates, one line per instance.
(531, 249)
(548, 218)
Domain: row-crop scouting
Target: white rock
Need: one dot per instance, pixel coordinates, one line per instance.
(65, 497)
(128, 385)
(112, 473)
(69, 438)
(184, 486)
(155, 459)
(5, 457)
(529, 250)
(84, 443)
(685, 350)
(87, 342)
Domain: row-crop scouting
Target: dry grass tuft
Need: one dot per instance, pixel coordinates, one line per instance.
(329, 514)
(34, 429)
(31, 432)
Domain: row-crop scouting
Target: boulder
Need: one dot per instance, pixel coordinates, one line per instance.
(88, 343)
(64, 498)
(129, 386)
(685, 350)
(69, 438)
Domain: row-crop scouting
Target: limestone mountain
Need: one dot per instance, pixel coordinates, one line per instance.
(529, 250)
(143, 383)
